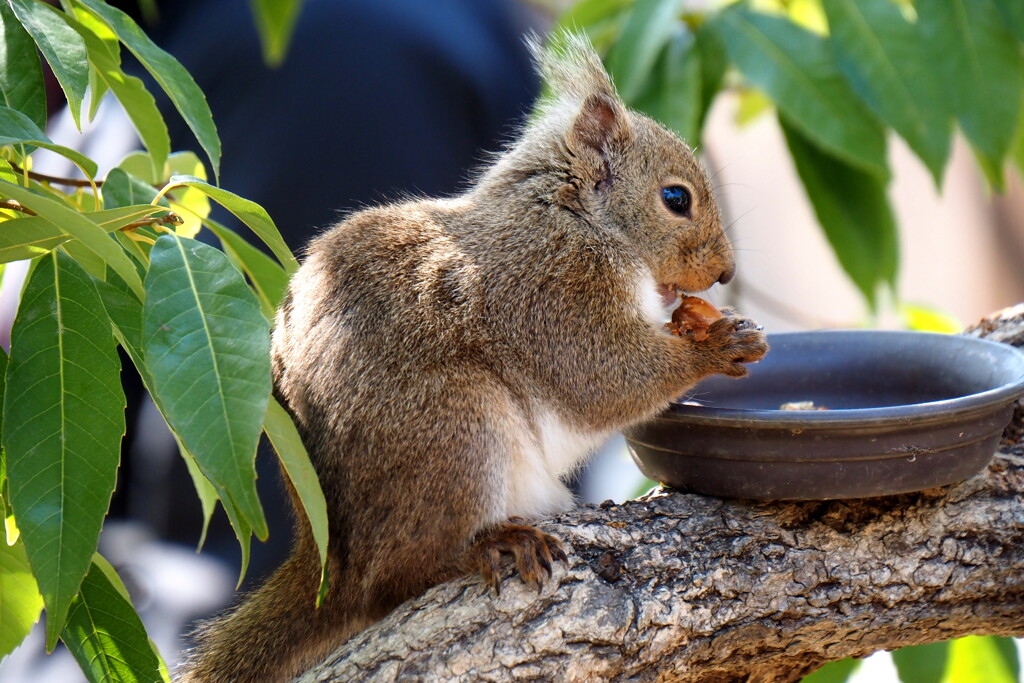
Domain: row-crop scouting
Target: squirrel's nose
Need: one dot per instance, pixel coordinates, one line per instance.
(727, 274)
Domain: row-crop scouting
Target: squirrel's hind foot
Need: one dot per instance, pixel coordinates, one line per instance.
(533, 550)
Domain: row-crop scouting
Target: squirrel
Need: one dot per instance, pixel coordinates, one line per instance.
(449, 361)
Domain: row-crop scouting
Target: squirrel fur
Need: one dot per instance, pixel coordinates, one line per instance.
(449, 361)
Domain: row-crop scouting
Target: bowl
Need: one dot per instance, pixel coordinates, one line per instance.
(907, 411)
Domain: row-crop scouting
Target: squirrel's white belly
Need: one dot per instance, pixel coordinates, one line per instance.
(548, 450)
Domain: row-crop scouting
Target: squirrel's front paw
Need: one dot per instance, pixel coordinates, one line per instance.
(533, 550)
(735, 340)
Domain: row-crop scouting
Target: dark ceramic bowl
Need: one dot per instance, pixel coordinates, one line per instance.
(907, 411)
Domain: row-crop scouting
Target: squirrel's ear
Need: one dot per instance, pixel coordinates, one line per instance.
(601, 119)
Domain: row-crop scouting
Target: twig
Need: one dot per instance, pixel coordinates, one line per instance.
(43, 178)
(166, 219)
(15, 205)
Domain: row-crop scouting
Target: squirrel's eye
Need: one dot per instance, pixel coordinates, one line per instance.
(677, 199)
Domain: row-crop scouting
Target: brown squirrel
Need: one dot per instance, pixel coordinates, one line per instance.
(448, 361)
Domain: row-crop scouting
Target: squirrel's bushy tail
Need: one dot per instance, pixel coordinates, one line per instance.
(274, 634)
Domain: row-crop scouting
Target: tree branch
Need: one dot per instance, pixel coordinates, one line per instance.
(692, 588)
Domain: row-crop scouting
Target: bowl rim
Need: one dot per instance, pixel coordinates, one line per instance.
(858, 418)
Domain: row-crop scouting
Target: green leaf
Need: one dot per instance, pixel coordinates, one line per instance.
(3, 388)
(714, 62)
(138, 103)
(62, 47)
(206, 491)
(834, 672)
(632, 57)
(981, 659)
(286, 441)
(169, 73)
(17, 129)
(31, 236)
(889, 66)
(674, 91)
(123, 189)
(20, 601)
(585, 13)
(275, 20)
(7, 173)
(921, 663)
(140, 165)
(267, 277)
(852, 208)
(21, 76)
(250, 213)
(125, 312)
(92, 236)
(751, 103)
(797, 70)
(64, 416)
(1013, 14)
(26, 238)
(979, 63)
(207, 348)
(104, 633)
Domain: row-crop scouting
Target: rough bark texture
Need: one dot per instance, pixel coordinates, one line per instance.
(681, 587)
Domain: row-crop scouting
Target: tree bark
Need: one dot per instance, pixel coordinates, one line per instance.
(683, 587)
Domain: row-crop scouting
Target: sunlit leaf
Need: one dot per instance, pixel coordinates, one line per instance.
(168, 73)
(6, 172)
(21, 78)
(929, 319)
(890, 67)
(751, 104)
(981, 659)
(191, 203)
(64, 419)
(104, 633)
(979, 63)
(207, 348)
(797, 70)
(20, 601)
(62, 47)
(853, 210)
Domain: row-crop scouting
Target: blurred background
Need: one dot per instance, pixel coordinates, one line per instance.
(379, 99)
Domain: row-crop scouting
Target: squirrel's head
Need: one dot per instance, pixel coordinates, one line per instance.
(618, 170)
